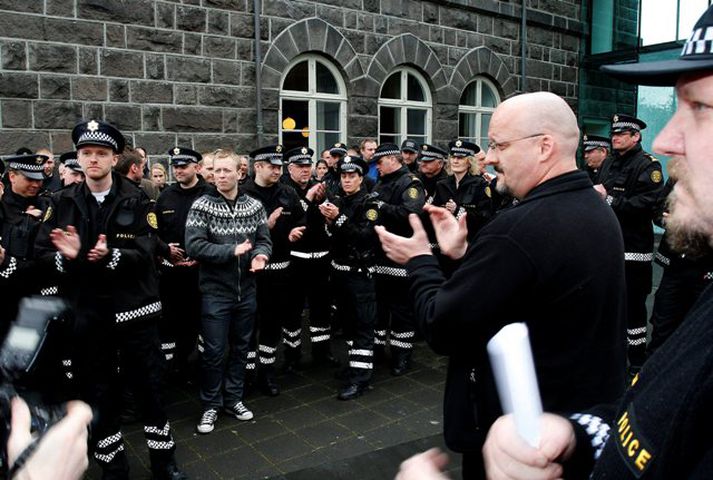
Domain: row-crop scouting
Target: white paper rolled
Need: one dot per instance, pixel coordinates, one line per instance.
(514, 370)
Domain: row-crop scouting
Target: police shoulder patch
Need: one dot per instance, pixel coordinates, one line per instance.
(372, 214)
(488, 192)
(151, 218)
(48, 214)
(656, 176)
(412, 193)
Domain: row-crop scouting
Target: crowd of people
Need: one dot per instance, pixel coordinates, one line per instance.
(210, 275)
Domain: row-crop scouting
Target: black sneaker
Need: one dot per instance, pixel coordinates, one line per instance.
(240, 411)
(207, 423)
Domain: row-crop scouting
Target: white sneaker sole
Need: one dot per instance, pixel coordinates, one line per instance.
(205, 428)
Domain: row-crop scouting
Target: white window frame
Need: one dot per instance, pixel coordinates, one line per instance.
(403, 104)
(479, 110)
(312, 97)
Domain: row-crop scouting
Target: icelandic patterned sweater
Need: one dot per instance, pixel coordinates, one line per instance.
(213, 229)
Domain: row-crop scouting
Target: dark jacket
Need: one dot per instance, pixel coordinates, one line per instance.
(354, 242)
(293, 215)
(429, 183)
(634, 182)
(660, 428)
(213, 229)
(315, 238)
(537, 263)
(472, 198)
(123, 284)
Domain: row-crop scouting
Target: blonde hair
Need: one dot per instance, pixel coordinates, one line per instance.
(472, 165)
(222, 153)
(159, 166)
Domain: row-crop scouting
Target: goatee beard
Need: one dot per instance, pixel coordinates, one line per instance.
(683, 238)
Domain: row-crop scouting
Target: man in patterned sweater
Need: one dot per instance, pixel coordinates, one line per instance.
(227, 233)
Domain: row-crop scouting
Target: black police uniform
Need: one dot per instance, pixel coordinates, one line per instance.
(178, 284)
(310, 262)
(331, 178)
(411, 146)
(116, 306)
(354, 245)
(591, 142)
(396, 195)
(275, 279)
(633, 181)
(684, 278)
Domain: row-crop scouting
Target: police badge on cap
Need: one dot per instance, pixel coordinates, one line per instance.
(409, 146)
(350, 164)
(430, 153)
(32, 166)
(462, 148)
(338, 149)
(98, 133)
(590, 142)
(69, 160)
(626, 123)
(271, 154)
(299, 156)
(180, 156)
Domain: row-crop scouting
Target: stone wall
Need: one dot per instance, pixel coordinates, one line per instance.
(183, 72)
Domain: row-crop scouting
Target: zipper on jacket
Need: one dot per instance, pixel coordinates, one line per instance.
(233, 213)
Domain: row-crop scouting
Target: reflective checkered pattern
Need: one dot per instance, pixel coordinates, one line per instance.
(308, 255)
(97, 137)
(59, 262)
(277, 265)
(340, 220)
(385, 153)
(662, 259)
(115, 257)
(10, 269)
(107, 448)
(391, 271)
(252, 355)
(638, 257)
(29, 167)
(320, 334)
(292, 338)
(636, 336)
(146, 310)
(267, 354)
(159, 438)
(597, 430)
(49, 291)
(623, 125)
(699, 43)
(361, 358)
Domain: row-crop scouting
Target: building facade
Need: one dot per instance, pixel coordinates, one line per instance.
(186, 72)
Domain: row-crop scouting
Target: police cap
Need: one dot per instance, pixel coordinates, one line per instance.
(621, 122)
(299, 156)
(180, 156)
(271, 154)
(591, 142)
(462, 148)
(350, 164)
(430, 153)
(98, 133)
(31, 165)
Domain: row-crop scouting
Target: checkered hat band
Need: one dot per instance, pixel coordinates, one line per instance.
(294, 158)
(699, 43)
(97, 138)
(189, 158)
(630, 125)
(596, 143)
(340, 150)
(386, 153)
(463, 152)
(268, 156)
(351, 167)
(431, 156)
(29, 167)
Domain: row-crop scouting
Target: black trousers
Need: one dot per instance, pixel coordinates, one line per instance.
(638, 287)
(395, 312)
(680, 287)
(181, 318)
(272, 309)
(356, 301)
(310, 282)
(98, 353)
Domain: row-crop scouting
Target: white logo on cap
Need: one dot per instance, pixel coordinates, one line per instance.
(347, 159)
(278, 149)
(616, 118)
(176, 151)
(93, 126)
(304, 150)
(459, 143)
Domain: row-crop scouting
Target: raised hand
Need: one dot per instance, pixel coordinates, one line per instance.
(99, 251)
(67, 242)
(296, 233)
(402, 249)
(272, 219)
(258, 263)
(243, 248)
(451, 233)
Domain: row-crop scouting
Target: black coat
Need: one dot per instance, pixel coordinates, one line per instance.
(472, 197)
(634, 182)
(429, 183)
(315, 238)
(123, 284)
(537, 263)
(354, 242)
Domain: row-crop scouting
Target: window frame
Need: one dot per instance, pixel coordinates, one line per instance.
(312, 97)
(403, 104)
(478, 110)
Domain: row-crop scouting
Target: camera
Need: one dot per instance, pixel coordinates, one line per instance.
(29, 359)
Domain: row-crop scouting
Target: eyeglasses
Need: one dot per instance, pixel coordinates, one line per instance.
(500, 146)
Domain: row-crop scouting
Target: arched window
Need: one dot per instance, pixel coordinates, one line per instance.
(475, 110)
(405, 108)
(313, 104)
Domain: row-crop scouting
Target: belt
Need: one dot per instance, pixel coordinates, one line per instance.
(347, 268)
(297, 254)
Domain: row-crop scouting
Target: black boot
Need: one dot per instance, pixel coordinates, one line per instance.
(168, 471)
(353, 390)
(322, 355)
(400, 362)
(268, 384)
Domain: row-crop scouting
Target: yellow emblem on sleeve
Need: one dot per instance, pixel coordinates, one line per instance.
(656, 176)
(412, 193)
(488, 192)
(151, 218)
(372, 214)
(48, 215)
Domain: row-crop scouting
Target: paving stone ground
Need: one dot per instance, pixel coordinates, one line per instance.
(306, 434)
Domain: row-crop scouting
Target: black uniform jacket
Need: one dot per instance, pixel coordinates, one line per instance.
(172, 209)
(123, 284)
(537, 263)
(472, 198)
(633, 182)
(661, 427)
(293, 215)
(315, 238)
(429, 183)
(354, 242)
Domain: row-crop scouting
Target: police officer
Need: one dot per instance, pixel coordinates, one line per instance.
(354, 244)
(409, 154)
(465, 192)
(596, 150)
(286, 221)
(21, 212)
(431, 161)
(310, 266)
(631, 182)
(72, 171)
(178, 282)
(98, 238)
(397, 194)
(331, 178)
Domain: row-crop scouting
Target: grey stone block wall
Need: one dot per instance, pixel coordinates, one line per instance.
(183, 71)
